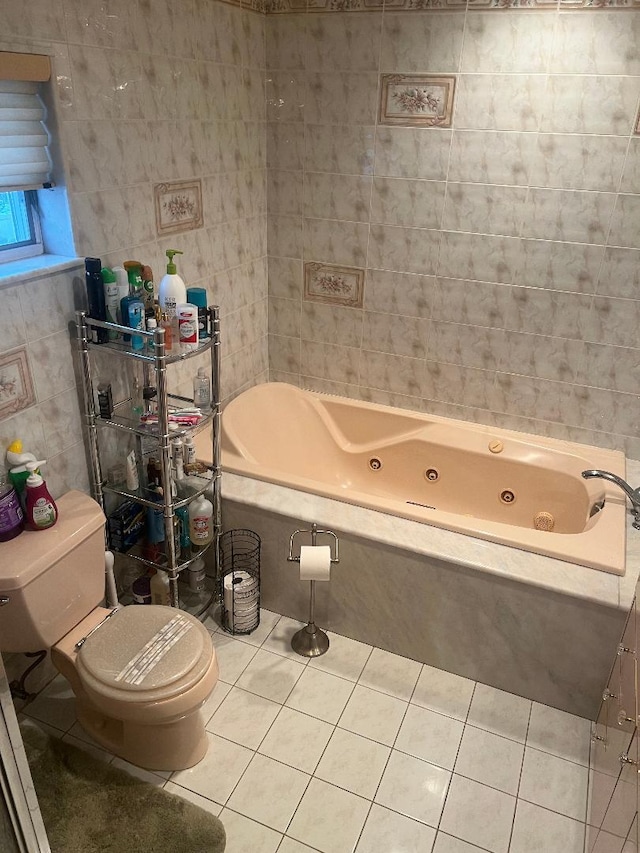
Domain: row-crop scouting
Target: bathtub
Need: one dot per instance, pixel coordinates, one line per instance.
(491, 484)
(470, 587)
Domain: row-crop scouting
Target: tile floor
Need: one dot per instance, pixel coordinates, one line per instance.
(361, 750)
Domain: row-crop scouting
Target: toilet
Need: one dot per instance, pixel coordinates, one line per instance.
(140, 674)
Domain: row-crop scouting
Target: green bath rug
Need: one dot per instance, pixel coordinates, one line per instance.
(90, 807)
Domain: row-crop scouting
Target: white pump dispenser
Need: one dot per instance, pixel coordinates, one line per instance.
(172, 290)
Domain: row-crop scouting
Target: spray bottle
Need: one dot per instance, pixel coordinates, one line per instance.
(17, 462)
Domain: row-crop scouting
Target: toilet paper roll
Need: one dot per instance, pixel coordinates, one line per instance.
(315, 563)
(241, 595)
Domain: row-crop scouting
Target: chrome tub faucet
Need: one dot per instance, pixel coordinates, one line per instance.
(632, 494)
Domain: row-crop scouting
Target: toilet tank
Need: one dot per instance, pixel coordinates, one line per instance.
(52, 578)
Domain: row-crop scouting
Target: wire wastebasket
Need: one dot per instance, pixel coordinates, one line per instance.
(240, 581)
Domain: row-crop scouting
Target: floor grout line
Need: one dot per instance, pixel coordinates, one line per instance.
(354, 683)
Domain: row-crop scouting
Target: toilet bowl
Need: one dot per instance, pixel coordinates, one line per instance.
(140, 674)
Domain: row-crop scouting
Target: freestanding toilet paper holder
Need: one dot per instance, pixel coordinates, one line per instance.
(311, 641)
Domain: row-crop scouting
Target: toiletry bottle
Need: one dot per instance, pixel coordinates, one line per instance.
(11, 515)
(187, 326)
(185, 542)
(189, 450)
(133, 482)
(172, 290)
(152, 325)
(159, 586)
(134, 276)
(111, 298)
(177, 459)
(202, 390)
(155, 524)
(149, 395)
(95, 297)
(132, 309)
(197, 575)
(200, 522)
(42, 511)
(198, 296)
(122, 281)
(137, 397)
(17, 462)
(168, 332)
(147, 287)
(105, 400)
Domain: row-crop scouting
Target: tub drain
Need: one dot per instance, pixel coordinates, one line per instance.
(544, 521)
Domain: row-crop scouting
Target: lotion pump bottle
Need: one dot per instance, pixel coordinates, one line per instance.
(42, 511)
(172, 290)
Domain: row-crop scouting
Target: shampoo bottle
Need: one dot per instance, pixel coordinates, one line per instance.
(95, 297)
(42, 511)
(172, 290)
(111, 298)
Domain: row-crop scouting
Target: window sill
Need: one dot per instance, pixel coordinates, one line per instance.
(15, 272)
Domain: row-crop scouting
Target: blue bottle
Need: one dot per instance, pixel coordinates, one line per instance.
(132, 311)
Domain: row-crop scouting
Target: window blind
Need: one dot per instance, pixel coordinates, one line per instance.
(25, 163)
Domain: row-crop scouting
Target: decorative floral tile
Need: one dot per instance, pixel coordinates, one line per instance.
(334, 285)
(178, 206)
(16, 384)
(416, 100)
(284, 6)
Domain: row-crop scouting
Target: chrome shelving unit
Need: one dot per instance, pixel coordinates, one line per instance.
(158, 361)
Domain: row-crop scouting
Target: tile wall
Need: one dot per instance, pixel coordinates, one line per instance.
(502, 254)
(146, 92)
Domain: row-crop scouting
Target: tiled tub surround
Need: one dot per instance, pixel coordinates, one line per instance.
(538, 627)
(362, 751)
(501, 255)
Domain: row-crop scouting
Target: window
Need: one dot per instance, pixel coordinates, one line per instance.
(25, 163)
(19, 227)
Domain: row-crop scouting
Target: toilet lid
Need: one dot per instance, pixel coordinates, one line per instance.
(143, 648)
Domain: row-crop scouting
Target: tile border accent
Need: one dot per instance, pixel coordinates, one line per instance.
(334, 285)
(275, 7)
(178, 206)
(16, 383)
(421, 100)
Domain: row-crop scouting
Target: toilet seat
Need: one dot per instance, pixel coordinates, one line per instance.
(145, 655)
